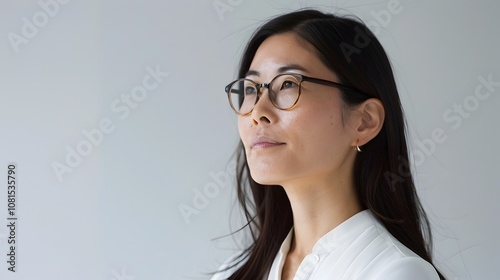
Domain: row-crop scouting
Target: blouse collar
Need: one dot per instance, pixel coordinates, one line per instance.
(348, 230)
(343, 234)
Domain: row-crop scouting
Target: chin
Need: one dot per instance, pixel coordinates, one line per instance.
(266, 172)
(265, 178)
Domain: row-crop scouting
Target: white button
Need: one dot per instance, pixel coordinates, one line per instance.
(307, 267)
(313, 258)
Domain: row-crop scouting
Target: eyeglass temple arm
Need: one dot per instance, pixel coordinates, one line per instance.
(333, 84)
(228, 87)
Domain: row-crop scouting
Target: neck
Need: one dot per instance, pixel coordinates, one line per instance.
(318, 208)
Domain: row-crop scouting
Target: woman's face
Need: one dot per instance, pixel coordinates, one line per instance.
(307, 143)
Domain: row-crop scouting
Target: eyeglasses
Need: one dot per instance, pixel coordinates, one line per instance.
(284, 91)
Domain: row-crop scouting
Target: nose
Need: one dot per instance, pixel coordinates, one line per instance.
(263, 109)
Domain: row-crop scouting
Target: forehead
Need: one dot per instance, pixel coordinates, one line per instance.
(281, 50)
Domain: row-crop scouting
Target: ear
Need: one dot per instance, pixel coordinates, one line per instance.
(370, 120)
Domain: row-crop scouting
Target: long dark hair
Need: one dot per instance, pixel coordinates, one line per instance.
(382, 175)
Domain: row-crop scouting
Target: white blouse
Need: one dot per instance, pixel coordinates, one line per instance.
(359, 248)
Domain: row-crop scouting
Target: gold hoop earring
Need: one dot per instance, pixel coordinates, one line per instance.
(357, 148)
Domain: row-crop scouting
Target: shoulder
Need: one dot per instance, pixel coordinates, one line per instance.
(387, 258)
(364, 249)
(408, 268)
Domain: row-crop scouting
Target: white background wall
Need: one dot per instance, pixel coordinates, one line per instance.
(117, 215)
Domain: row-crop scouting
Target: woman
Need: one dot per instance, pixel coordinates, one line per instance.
(321, 172)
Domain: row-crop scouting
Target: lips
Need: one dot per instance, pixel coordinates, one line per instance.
(262, 142)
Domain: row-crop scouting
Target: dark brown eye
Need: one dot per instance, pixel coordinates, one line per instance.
(250, 90)
(288, 84)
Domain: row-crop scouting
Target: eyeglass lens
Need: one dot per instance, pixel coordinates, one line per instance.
(284, 90)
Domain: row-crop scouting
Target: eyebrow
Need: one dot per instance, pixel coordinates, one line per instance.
(282, 69)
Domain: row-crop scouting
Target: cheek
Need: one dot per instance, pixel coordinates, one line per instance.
(321, 127)
(323, 114)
